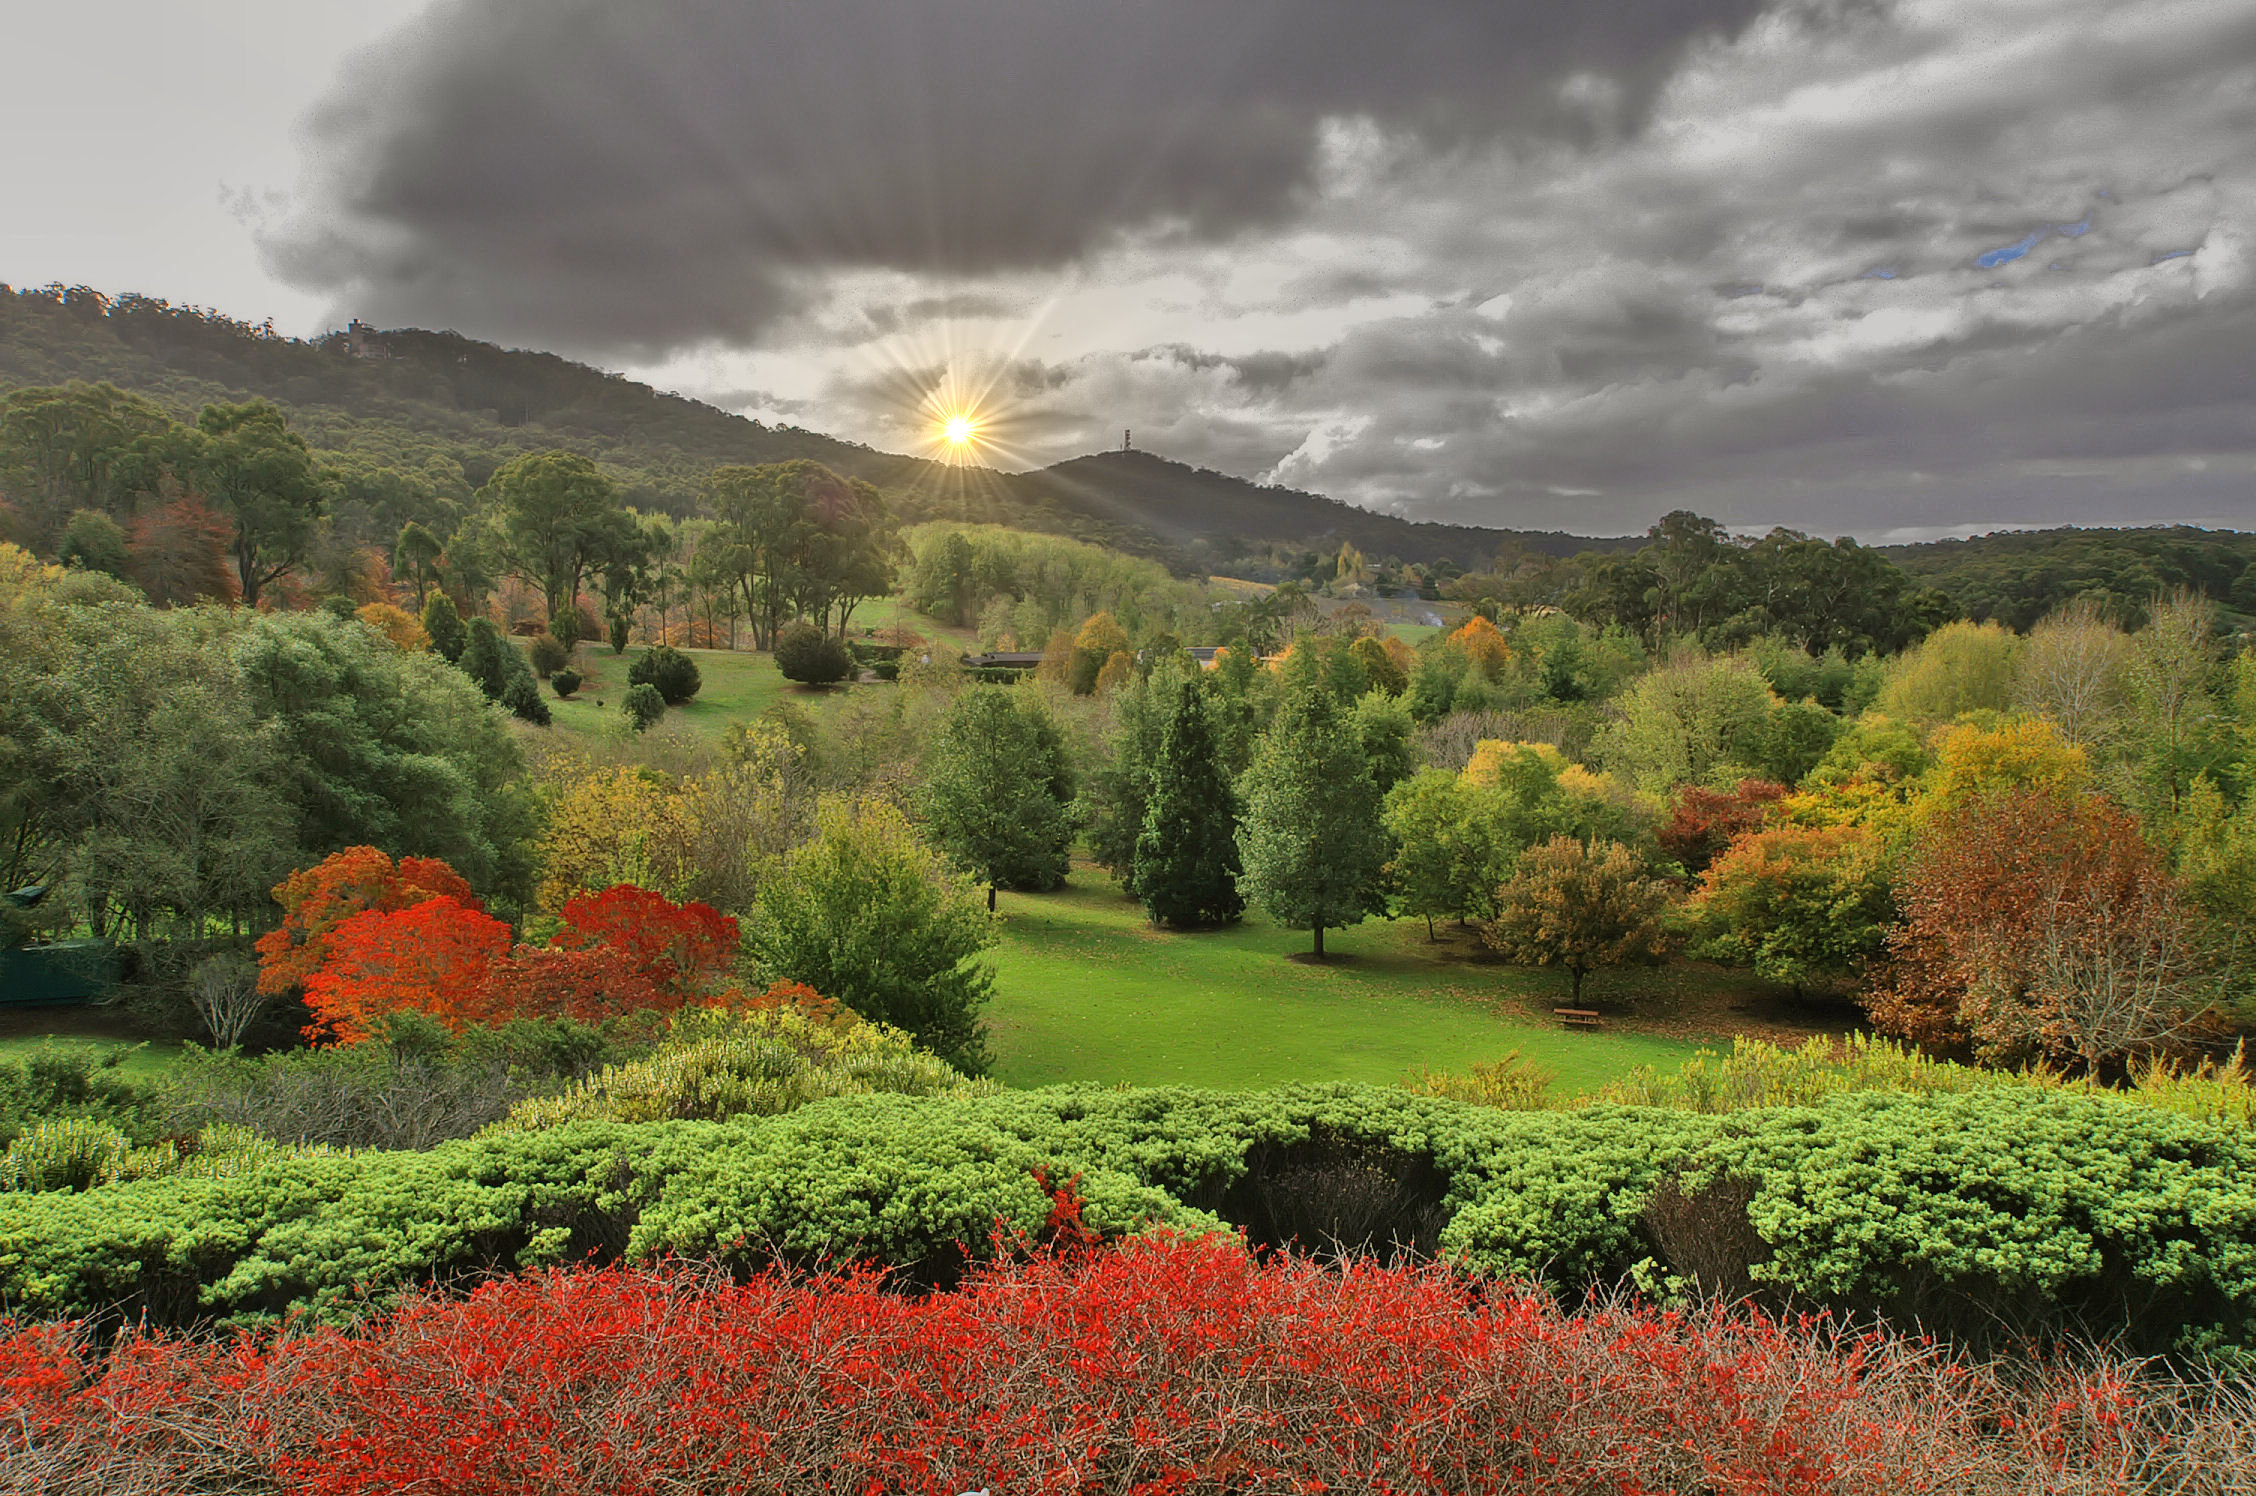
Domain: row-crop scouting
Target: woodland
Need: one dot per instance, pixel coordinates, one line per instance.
(572, 897)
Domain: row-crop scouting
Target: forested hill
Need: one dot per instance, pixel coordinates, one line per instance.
(2016, 577)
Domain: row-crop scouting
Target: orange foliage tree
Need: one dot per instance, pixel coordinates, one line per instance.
(2039, 922)
(1483, 644)
(677, 949)
(1706, 821)
(587, 985)
(318, 899)
(434, 956)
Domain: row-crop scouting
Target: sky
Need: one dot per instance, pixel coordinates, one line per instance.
(1892, 268)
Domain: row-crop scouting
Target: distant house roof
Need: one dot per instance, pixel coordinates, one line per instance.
(1004, 660)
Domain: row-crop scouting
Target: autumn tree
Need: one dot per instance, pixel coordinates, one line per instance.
(1312, 847)
(998, 793)
(2040, 922)
(1801, 906)
(679, 949)
(1583, 907)
(2074, 671)
(317, 899)
(177, 553)
(1187, 852)
(432, 957)
(1961, 667)
(1703, 821)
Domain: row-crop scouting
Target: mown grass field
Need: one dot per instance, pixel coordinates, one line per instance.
(737, 686)
(141, 1061)
(1086, 990)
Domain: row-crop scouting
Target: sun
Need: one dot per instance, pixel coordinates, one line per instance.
(959, 431)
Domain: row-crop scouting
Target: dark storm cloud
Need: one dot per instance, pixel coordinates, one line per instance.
(641, 177)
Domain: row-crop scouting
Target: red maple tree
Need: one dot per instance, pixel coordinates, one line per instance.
(318, 899)
(587, 985)
(1704, 822)
(679, 949)
(434, 957)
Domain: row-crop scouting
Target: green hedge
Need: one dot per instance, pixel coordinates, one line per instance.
(1990, 1214)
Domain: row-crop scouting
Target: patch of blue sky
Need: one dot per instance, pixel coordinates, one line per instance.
(1991, 259)
(2173, 254)
(1879, 273)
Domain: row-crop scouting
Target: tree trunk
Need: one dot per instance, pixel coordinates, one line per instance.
(1319, 942)
(990, 898)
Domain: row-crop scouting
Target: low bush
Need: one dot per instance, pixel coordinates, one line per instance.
(643, 706)
(54, 1084)
(564, 682)
(523, 698)
(550, 654)
(811, 656)
(1994, 1215)
(1167, 1368)
(667, 668)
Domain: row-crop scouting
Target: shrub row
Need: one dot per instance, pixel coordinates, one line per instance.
(1174, 1367)
(1992, 1214)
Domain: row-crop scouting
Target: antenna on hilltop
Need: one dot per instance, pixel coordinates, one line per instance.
(1127, 445)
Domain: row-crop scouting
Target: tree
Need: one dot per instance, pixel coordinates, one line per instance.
(807, 654)
(416, 556)
(1961, 667)
(1113, 802)
(94, 541)
(485, 658)
(1449, 856)
(681, 950)
(76, 446)
(1581, 907)
(316, 900)
(1098, 640)
(432, 957)
(1692, 721)
(667, 668)
(797, 540)
(556, 518)
(224, 990)
(998, 793)
(521, 695)
(642, 706)
(2172, 669)
(1311, 844)
(1704, 821)
(263, 477)
(870, 916)
(2040, 922)
(1380, 666)
(402, 628)
(444, 626)
(2074, 671)
(1801, 906)
(1187, 851)
(178, 554)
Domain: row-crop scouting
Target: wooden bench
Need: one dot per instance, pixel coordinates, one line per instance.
(1579, 1018)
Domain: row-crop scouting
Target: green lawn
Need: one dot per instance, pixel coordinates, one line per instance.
(142, 1061)
(736, 685)
(1087, 991)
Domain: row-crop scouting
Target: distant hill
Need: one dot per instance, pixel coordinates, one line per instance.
(404, 395)
(2018, 576)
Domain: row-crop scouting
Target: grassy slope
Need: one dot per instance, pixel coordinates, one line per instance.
(736, 686)
(142, 1061)
(1087, 991)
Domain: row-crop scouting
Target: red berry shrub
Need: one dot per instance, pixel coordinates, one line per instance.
(1161, 1367)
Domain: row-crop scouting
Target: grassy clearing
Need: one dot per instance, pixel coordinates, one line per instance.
(737, 686)
(142, 1061)
(1087, 991)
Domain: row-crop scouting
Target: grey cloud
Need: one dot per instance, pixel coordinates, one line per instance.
(645, 177)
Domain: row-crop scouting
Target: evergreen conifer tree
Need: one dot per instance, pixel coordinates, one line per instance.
(444, 624)
(485, 658)
(1187, 853)
(1311, 841)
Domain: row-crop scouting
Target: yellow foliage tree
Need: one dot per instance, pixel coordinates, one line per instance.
(1483, 643)
(403, 628)
(2025, 753)
(616, 826)
(1115, 670)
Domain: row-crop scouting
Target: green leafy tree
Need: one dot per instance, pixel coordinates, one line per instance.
(417, 556)
(1388, 736)
(443, 623)
(1581, 907)
(642, 707)
(77, 446)
(555, 519)
(1961, 667)
(672, 672)
(1449, 854)
(870, 916)
(94, 541)
(1313, 850)
(1803, 906)
(1693, 721)
(998, 793)
(1187, 852)
(263, 477)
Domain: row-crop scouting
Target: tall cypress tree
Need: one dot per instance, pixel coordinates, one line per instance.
(1312, 843)
(1187, 853)
(998, 793)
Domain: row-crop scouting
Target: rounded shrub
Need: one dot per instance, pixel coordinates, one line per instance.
(673, 673)
(811, 656)
(565, 681)
(550, 654)
(523, 698)
(343, 609)
(643, 706)
(620, 628)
